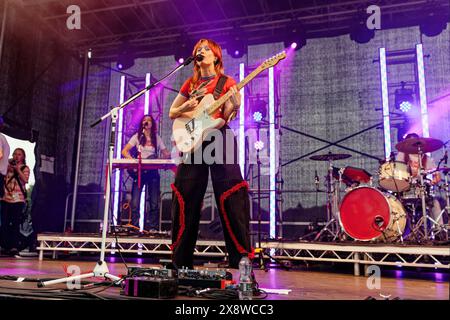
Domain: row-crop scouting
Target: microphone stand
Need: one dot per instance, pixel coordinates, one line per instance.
(262, 265)
(101, 269)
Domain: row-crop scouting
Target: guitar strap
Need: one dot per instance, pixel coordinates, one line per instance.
(219, 87)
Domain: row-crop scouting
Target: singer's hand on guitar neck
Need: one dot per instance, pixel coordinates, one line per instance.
(233, 103)
(235, 98)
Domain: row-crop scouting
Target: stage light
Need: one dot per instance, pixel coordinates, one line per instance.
(433, 22)
(258, 145)
(272, 157)
(242, 122)
(258, 109)
(237, 44)
(118, 150)
(257, 116)
(294, 36)
(404, 98)
(90, 54)
(183, 48)
(405, 106)
(125, 59)
(125, 62)
(422, 91)
(148, 77)
(385, 103)
(359, 31)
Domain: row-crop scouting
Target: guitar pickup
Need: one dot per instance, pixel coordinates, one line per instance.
(190, 126)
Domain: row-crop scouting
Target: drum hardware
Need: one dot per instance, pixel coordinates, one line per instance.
(420, 146)
(442, 227)
(332, 226)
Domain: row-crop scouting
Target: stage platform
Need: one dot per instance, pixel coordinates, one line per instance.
(401, 255)
(304, 283)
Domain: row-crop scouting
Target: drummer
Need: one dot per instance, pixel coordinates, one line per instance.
(428, 163)
(412, 160)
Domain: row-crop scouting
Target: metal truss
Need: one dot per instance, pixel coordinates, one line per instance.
(91, 243)
(437, 257)
(149, 25)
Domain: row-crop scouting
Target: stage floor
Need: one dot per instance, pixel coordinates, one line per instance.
(305, 284)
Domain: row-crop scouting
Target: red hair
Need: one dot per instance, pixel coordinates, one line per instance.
(218, 66)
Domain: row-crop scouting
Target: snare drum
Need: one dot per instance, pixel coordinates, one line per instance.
(394, 176)
(367, 214)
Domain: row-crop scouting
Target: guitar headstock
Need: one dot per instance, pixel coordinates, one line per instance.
(272, 61)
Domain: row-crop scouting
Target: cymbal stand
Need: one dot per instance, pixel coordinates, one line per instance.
(330, 226)
(424, 218)
(442, 227)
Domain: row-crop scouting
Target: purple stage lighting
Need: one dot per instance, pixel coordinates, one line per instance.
(293, 45)
(119, 66)
(405, 106)
(181, 60)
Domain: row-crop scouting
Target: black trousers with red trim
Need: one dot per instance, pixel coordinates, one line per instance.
(231, 193)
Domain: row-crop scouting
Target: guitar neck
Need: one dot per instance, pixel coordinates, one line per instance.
(216, 105)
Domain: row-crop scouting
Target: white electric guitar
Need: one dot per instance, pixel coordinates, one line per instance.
(190, 131)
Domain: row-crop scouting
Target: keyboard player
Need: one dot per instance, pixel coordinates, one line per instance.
(149, 144)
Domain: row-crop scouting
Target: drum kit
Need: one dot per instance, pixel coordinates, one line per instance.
(387, 212)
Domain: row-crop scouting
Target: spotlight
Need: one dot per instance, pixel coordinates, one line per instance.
(359, 31)
(404, 98)
(433, 22)
(259, 145)
(294, 35)
(237, 44)
(125, 59)
(183, 48)
(258, 108)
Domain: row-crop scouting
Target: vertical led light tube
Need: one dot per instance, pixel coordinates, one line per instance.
(242, 122)
(422, 91)
(385, 103)
(272, 155)
(146, 111)
(119, 132)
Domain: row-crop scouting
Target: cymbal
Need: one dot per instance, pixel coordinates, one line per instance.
(330, 156)
(412, 145)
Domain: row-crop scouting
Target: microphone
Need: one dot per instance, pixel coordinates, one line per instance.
(188, 60)
(316, 180)
(199, 57)
(392, 156)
